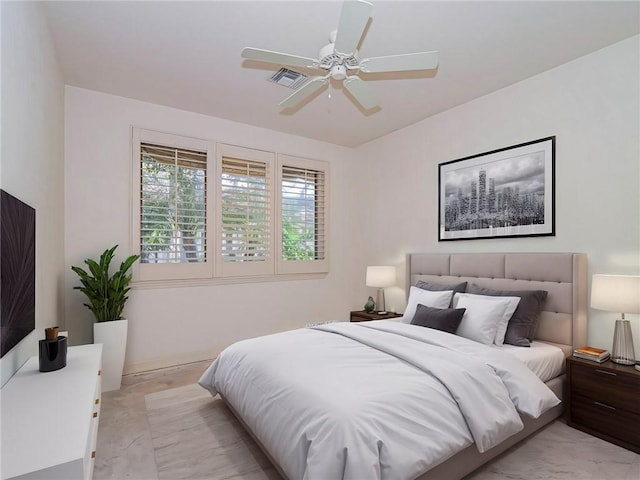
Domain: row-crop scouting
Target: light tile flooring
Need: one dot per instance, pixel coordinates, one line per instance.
(126, 449)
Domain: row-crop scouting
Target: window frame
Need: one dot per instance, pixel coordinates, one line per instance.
(301, 266)
(214, 270)
(171, 271)
(238, 269)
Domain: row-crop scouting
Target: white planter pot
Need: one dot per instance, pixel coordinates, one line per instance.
(113, 336)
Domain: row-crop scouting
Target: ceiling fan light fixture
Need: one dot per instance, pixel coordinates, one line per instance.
(338, 72)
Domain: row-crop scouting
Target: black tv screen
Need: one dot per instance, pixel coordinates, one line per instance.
(17, 270)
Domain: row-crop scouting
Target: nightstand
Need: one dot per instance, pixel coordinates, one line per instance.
(604, 401)
(362, 316)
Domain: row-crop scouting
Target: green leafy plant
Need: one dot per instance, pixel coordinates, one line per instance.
(107, 294)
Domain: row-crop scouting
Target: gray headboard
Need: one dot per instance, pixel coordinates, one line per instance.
(564, 275)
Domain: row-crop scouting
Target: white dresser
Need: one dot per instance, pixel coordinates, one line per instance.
(49, 421)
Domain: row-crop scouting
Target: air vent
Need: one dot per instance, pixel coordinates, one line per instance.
(288, 78)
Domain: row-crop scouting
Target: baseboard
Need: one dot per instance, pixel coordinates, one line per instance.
(166, 362)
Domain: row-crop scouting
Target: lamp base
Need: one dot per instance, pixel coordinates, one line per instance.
(622, 361)
(622, 352)
(380, 301)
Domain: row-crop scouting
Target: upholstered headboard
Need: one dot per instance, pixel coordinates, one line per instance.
(564, 275)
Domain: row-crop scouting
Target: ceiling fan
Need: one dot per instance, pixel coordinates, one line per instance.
(340, 59)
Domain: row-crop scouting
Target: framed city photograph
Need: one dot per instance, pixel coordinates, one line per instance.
(508, 192)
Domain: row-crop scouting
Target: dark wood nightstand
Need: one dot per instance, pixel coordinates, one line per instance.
(362, 316)
(604, 401)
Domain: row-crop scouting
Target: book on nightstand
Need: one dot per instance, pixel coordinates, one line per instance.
(591, 353)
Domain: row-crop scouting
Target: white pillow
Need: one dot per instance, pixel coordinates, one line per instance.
(504, 321)
(486, 317)
(418, 296)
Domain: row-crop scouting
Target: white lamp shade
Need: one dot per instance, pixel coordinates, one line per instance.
(616, 293)
(380, 276)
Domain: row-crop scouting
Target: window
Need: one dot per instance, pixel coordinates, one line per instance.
(172, 212)
(240, 213)
(246, 206)
(303, 209)
(173, 204)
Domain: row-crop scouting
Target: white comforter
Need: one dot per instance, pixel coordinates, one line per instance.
(374, 400)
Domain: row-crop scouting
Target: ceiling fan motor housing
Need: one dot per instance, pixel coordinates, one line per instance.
(329, 57)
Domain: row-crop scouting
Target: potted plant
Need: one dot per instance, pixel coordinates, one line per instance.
(107, 296)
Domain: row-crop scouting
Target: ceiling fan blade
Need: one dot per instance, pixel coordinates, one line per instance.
(353, 20)
(361, 92)
(400, 63)
(279, 58)
(308, 89)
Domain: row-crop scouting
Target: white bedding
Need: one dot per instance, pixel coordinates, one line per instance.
(375, 400)
(546, 361)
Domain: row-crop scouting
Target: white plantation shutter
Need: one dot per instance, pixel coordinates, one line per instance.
(172, 206)
(303, 215)
(241, 213)
(246, 211)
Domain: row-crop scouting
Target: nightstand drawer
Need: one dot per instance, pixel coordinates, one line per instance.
(605, 418)
(600, 384)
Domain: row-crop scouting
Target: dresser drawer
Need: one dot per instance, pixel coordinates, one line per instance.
(600, 384)
(605, 418)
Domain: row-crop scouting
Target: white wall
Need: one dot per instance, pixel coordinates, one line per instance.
(591, 105)
(384, 201)
(32, 163)
(175, 325)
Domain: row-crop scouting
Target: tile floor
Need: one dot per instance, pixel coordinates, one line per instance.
(131, 423)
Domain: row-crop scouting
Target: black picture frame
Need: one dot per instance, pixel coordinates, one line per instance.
(504, 193)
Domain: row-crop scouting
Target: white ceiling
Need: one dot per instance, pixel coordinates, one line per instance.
(187, 54)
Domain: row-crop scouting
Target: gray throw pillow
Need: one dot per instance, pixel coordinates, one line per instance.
(445, 319)
(523, 324)
(439, 287)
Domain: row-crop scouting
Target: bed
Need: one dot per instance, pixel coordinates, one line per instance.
(430, 412)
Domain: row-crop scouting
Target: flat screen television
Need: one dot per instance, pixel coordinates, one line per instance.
(17, 271)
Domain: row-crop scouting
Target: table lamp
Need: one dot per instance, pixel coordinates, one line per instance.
(380, 277)
(618, 293)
